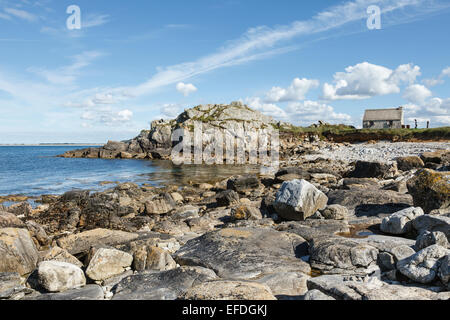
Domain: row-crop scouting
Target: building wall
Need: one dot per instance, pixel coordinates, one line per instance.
(382, 124)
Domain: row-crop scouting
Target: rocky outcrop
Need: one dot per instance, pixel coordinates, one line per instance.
(430, 189)
(167, 285)
(423, 266)
(245, 253)
(365, 169)
(156, 143)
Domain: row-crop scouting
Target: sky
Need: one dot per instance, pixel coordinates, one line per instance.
(132, 62)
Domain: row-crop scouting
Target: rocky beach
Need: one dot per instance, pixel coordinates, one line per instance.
(335, 221)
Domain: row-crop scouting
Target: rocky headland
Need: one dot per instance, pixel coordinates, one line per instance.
(335, 222)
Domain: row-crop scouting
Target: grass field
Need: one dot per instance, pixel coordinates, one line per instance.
(343, 133)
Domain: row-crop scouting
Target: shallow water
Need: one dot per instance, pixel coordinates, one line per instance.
(33, 171)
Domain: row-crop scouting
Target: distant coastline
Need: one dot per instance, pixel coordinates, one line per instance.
(52, 145)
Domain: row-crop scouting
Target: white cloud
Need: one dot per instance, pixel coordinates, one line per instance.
(171, 110)
(439, 80)
(417, 93)
(435, 110)
(107, 116)
(269, 109)
(259, 42)
(4, 16)
(296, 91)
(94, 20)
(22, 14)
(308, 112)
(68, 74)
(186, 89)
(366, 80)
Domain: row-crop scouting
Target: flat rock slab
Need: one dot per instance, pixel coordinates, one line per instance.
(370, 202)
(82, 242)
(89, 292)
(11, 284)
(370, 288)
(229, 290)
(313, 229)
(167, 285)
(245, 253)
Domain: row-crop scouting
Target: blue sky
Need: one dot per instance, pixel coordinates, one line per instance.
(136, 61)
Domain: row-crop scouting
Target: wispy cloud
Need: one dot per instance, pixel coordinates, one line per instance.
(94, 20)
(260, 41)
(22, 14)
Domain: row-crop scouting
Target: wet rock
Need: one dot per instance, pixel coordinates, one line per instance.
(82, 242)
(367, 288)
(401, 221)
(56, 276)
(167, 285)
(335, 212)
(365, 169)
(427, 238)
(291, 173)
(409, 163)
(423, 266)
(245, 212)
(18, 252)
(430, 189)
(298, 200)
(227, 198)
(432, 223)
(241, 184)
(89, 292)
(244, 253)
(61, 255)
(159, 206)
(229, 290)
(341, 255)
(106, 263)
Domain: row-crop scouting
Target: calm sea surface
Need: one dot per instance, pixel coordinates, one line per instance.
(36, 170)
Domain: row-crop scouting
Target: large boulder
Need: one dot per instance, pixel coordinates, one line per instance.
(18, 252)
(82, 242)
(61, 255)
(229, 290)
(243, 183)
(86, 293)
(298, 200)
(227, 198)
(367, 288)
(370, 202)
(366, 169)
(340, 255)
(335, 212)
(432, 223)
(430, 189)
(444, 270)
(245, 253)
(401, 221)
(9, 220)
(166, 285)
(423, 266)
(409, 163)
(286, 284)
(427, 238)
(56, 276)
(152, 258)
(106, 263)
